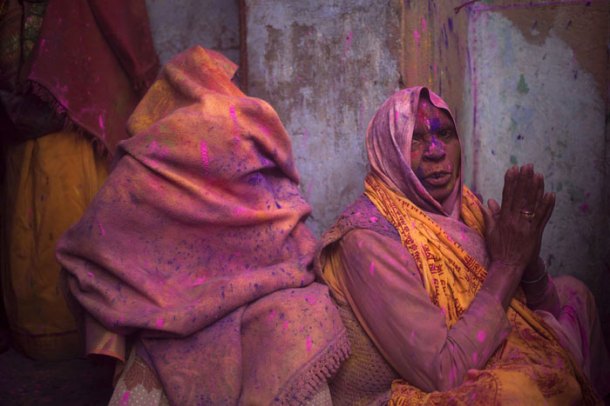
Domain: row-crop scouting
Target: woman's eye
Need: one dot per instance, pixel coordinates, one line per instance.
(445, 133)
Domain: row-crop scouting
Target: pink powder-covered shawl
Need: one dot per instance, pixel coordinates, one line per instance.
(196, 246)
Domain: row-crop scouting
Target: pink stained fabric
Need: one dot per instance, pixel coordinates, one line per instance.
(376, 276)
(93, 61)
(196, 246)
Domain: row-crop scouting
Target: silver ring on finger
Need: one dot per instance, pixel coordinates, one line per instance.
(528, 214)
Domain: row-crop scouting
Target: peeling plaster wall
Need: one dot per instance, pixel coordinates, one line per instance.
(325, 67)
(434, 49)
(179, 24)
(538, 93)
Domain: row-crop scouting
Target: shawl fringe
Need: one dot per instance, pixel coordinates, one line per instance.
(38, 90)
(304, 385)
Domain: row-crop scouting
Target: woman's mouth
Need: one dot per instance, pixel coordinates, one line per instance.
(438, 178)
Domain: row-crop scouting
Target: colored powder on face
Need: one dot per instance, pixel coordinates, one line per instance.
(100, 121)
(424, 24)
(372, 268)
(205, 161)
(272, 314)
(450, 24)
(90, 274)
(481, 336)
(101, 228)
(160, 323)
(308, 343)
(125, 398)
(373, 219)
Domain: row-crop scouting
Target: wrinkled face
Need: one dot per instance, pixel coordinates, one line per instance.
(435, 150)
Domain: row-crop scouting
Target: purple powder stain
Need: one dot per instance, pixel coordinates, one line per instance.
(101, 228)
(417, 37)
(373, 219)
(310, 300)
(424, 24)
(286, 325)
(348, 43)
(125, 398)
(272, 314)
(100, 121)
(90, 274)
(158, 149)
(263, 129)
(308, 343)
(372, 268)
(199, 281)
(584, 208)
(233, 115)
(481, 336)
(205, 160)
(160, 322)
(450, 24)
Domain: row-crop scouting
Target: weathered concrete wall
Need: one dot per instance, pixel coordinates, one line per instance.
(325, 67)
(538, 93)
(179, 24)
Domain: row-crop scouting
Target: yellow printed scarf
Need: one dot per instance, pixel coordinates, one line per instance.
(530, 365)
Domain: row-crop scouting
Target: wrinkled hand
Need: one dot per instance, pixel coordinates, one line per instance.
(514, 230)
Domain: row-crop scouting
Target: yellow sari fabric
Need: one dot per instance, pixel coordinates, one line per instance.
(49, 182)
(530, 367)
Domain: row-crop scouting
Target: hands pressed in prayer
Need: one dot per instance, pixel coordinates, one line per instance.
(514, 230)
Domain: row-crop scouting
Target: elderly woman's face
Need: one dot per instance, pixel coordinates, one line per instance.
(435, 150)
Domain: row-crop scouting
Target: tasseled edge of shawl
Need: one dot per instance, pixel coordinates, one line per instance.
(304, 385)
(61, 113)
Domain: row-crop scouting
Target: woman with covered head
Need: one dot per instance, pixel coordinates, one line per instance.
(196, 253)
(447, 300)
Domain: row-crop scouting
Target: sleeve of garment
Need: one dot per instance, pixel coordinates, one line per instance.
(542, 295)
(385, 291)
(126, 28)
(100, 341)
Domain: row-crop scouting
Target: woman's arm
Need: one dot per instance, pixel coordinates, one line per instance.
(385, 291)
(539, 289)
(514, 237)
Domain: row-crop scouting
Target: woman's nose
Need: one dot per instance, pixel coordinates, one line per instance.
(435, 149)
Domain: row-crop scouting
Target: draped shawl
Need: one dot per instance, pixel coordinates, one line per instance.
(197, 246)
